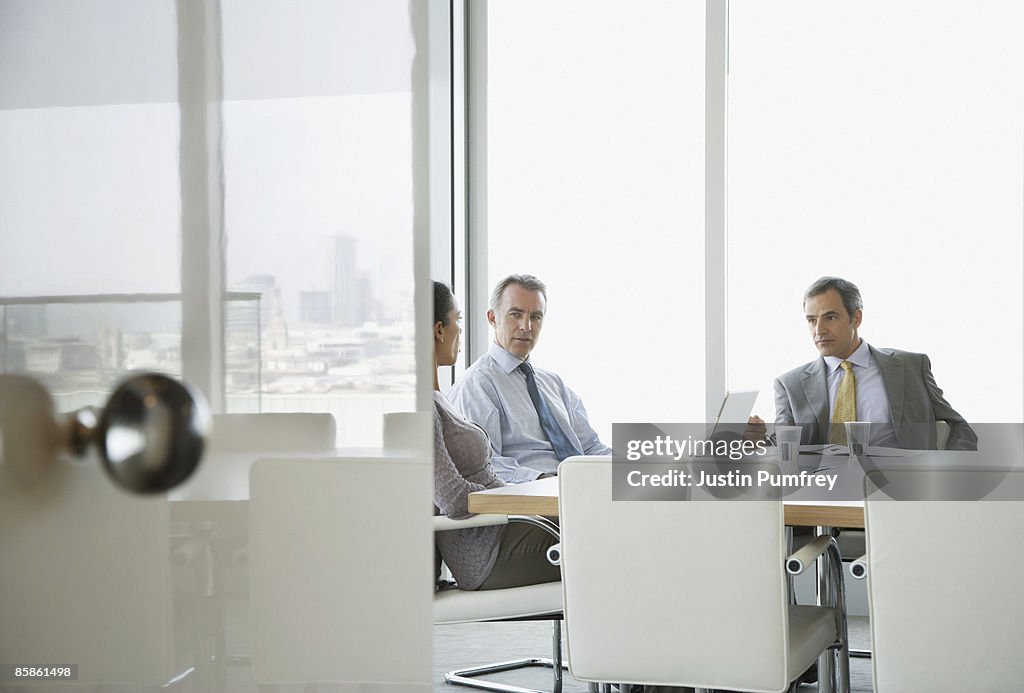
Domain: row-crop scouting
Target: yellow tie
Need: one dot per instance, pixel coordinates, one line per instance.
(845, 408)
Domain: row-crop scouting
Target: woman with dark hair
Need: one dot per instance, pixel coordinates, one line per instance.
(480, 558)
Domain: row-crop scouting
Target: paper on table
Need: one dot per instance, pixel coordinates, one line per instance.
(872, 450)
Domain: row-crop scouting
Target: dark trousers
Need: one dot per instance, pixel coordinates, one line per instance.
(522, 559)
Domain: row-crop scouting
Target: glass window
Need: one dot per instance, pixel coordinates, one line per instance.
(89, 194)
(882, 143)
(318, 209)
(595, 183)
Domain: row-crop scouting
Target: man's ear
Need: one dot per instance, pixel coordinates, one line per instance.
(857, 315)
(491, 319)
(437, 330)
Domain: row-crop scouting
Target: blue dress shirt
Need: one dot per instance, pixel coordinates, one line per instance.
(872, 402)
(492, 394)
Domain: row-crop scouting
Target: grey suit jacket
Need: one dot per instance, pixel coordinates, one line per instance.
(915, 402)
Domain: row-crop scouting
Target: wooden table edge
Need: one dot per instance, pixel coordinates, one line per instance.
(846, 516)
(849, 516)
(482, 503)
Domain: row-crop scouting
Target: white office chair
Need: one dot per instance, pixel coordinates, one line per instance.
(217, 530)
(272, 432)
(528, 603)
(339, 571)
(685, 593)
(944, 586)
(941, 435)
(853, 543)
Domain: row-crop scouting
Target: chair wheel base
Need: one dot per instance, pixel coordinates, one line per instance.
(464, 677)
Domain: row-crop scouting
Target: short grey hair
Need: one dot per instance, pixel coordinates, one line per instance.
(527, 281)
(848, 291)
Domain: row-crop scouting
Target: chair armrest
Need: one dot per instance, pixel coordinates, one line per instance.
(443, 523)
(859, 568)
(538, 521)
(808, 554)
(833, 589)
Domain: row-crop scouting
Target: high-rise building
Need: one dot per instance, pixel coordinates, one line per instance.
(348, 304)
(315, 307)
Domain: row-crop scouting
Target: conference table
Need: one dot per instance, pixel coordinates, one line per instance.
(540, 497)
(843, 508)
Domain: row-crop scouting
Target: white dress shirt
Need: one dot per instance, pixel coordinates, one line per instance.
(872, 402)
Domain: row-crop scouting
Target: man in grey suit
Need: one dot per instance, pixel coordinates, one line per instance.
(893, 389)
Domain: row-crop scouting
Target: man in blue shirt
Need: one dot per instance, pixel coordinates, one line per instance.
(532, 419)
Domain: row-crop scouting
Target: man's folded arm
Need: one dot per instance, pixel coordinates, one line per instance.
(510, 471)
(590, 442)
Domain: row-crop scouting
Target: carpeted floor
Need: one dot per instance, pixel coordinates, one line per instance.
(478, 643)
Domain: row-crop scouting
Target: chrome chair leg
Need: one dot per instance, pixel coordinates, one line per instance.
(556, 656)
(842, 652)
(466, 677)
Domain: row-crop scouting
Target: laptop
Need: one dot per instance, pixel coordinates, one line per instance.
(733, 414)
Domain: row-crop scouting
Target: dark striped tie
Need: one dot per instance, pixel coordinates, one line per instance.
(559, 441)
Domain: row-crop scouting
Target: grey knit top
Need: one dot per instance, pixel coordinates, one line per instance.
(462, 464)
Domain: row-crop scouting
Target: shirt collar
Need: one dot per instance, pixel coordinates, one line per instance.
(860, 357)
(505, 360)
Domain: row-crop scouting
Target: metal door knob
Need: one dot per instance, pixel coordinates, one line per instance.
(150, 435)
(152, 432)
